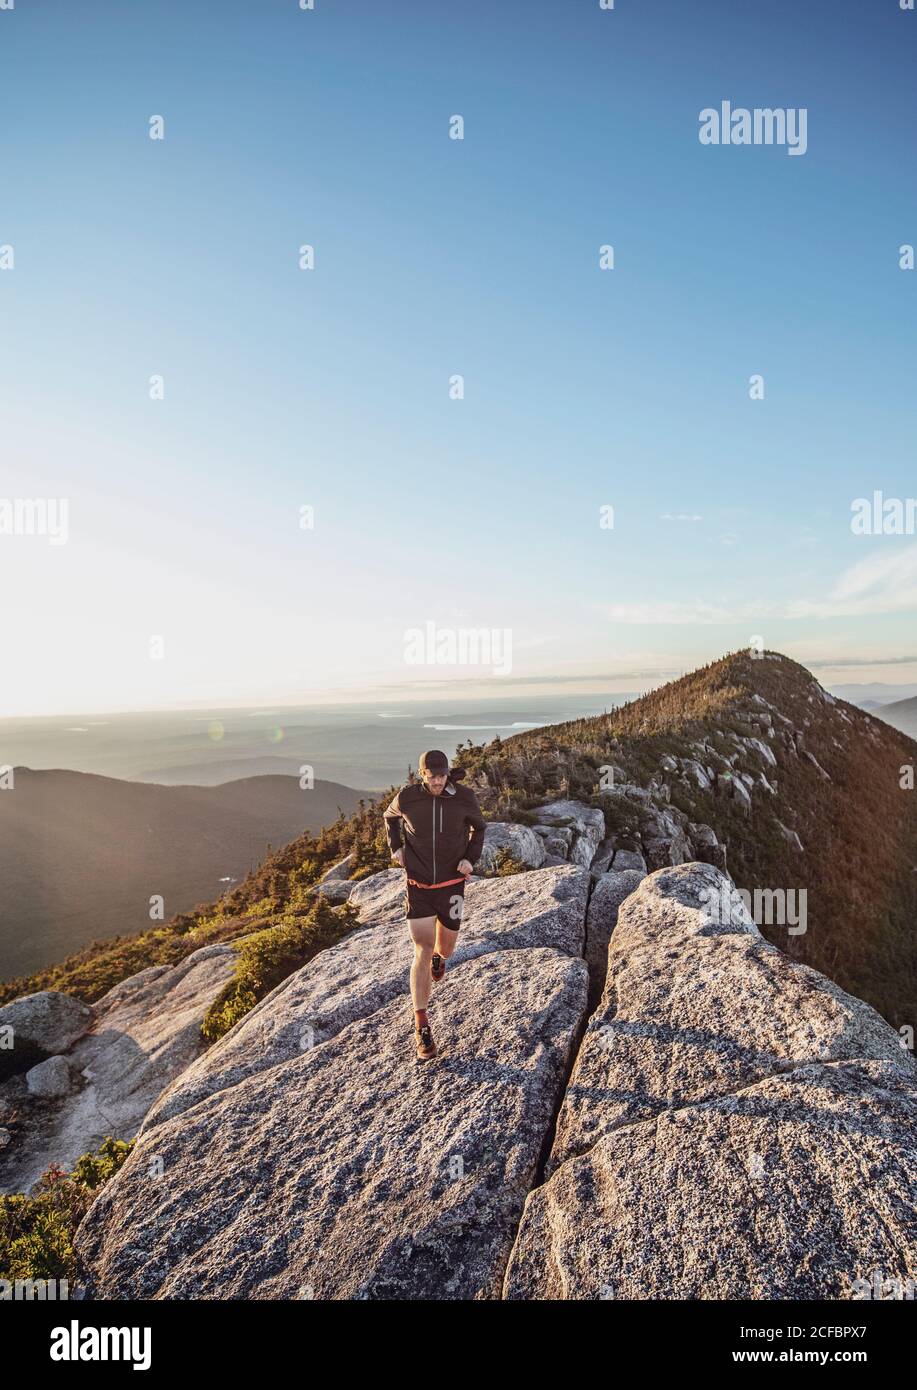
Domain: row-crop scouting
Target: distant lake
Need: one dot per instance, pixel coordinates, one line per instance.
(367, 747)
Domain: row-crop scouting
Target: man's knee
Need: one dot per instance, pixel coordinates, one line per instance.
(423, 934)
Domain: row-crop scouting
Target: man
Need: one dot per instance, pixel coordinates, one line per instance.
(442, 841)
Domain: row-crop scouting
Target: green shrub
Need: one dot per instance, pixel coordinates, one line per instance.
(268, 956)
(505, 863)
(36, 1231)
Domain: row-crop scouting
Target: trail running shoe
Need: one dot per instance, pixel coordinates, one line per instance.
(438, 969)
(426, 1047)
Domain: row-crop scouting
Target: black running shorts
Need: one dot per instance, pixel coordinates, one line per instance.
(445, 903)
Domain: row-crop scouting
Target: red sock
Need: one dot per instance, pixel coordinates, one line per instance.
(420, 1017)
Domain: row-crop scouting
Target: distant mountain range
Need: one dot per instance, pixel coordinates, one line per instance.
(81, 855)
(874, 693)
(901, 714)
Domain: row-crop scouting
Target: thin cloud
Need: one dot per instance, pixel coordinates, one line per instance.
(704, 614)
(880, 583)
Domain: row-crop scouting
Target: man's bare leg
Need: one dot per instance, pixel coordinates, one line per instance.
(423, 934)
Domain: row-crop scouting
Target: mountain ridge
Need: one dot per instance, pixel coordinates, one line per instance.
(81, 853)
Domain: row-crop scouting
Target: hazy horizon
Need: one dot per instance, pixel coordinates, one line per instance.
(359, 746)
(422, 693)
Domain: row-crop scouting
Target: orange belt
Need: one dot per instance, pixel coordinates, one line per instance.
(445, 883)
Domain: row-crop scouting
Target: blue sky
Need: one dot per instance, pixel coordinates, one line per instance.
(434, 256)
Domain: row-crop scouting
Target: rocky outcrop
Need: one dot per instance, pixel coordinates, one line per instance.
(795, 1188)
(309, 1155)
(585, 823)
(145, 1033)
(664, 833)
(735, 1125)
(142, 1034)
(545, 1153)
(791, 836)
(369, 969)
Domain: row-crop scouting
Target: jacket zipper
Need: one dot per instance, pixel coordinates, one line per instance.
(434, 839)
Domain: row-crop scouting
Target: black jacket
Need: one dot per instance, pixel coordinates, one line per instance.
(438, 830)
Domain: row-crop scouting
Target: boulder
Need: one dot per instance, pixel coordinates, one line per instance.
(715, 1057)
(520, 840)
(341, 870)
(697, 773)
(50, 1079)
(47, 1020)
(698, 1014)
(336, 890)
(740, 793)
(811, 758)
(588, 823)
(706, 847)
(764, 749)
(603, 856)
(664, 852)
(628, 859)
(791, 836)
(555, 832)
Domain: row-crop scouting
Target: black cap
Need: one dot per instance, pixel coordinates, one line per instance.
(434, 760)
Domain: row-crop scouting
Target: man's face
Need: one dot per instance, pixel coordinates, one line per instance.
(434, 781)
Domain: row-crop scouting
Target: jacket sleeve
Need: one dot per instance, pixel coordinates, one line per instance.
(474, 819)
(392, 817)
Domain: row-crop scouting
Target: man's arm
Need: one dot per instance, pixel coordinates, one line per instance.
(392, 818)
(474, 818)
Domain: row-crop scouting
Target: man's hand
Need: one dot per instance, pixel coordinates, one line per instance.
(398, 856)
(465, 867)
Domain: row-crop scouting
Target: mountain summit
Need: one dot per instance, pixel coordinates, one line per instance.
(804, 793)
